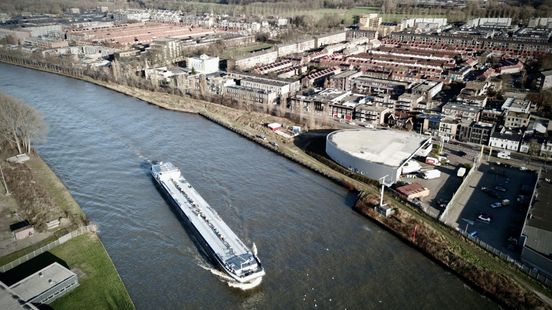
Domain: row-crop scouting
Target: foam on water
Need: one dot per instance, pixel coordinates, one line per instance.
(230, 281)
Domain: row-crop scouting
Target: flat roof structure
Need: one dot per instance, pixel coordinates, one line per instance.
(41, 281)
(376, 154)
(413, 190)
(11, 301)
(540, 219)
(537, 230)
(128, 34)
(517, 105)
(388, 147)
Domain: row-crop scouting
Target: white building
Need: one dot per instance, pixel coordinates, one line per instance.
(425, 24)
(541, 22)
(377, 154)
(331, 38)
(203, 64)
(496, 22)
(507, 140)
(255, 59)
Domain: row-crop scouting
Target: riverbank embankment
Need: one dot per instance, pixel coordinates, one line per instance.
(251, 125)
(100, 286)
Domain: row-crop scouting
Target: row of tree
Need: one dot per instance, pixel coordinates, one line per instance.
(20, 124)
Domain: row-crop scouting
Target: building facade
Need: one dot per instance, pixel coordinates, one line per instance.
(203, 64)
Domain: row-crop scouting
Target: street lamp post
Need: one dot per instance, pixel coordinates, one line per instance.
(382, 181)
(468, 223)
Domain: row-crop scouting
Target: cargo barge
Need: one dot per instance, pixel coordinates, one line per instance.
(222, 244)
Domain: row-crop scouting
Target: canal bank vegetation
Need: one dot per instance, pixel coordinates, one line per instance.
(35, 191)
(33, 195)
(489, 274)
(100, 286)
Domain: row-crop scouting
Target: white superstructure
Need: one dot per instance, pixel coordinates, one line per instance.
(224, 246)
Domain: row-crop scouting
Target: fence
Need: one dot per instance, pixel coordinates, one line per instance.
(532, 272)
(49, 246)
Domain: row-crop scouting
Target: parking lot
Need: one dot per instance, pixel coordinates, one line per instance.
(493, 184)
(441, 189)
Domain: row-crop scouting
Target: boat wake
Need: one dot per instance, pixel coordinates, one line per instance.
(230, 281)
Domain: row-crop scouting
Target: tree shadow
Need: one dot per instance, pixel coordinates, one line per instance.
(313, 141)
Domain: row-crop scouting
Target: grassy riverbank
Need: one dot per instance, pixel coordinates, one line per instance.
(100, 284)
(482, 270)
(500, 281)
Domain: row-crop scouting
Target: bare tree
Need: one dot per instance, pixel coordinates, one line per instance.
(10, 119)
(19, 124)
(4, 181)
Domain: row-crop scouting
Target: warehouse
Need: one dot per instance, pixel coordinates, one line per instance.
(376, 154)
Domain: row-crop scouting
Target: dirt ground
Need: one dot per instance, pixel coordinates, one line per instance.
(12, 212)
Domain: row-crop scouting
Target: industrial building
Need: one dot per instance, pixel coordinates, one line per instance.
(46, 285)
(537, 231)
(376, 154)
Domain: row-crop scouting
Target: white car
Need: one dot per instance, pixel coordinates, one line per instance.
(485, 218)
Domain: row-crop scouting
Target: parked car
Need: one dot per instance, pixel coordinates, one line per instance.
(485, 189)
(505, 155)
(500, 188)
(432, 161)
(496, 205)
(431, 174)
(484, 218)
(441, 203)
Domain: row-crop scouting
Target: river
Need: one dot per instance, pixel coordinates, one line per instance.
(317, 252)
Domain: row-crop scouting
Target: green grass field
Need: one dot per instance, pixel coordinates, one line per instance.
(100, 285)
(346, 14)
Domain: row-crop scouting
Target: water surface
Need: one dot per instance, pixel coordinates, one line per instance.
(317, 251)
